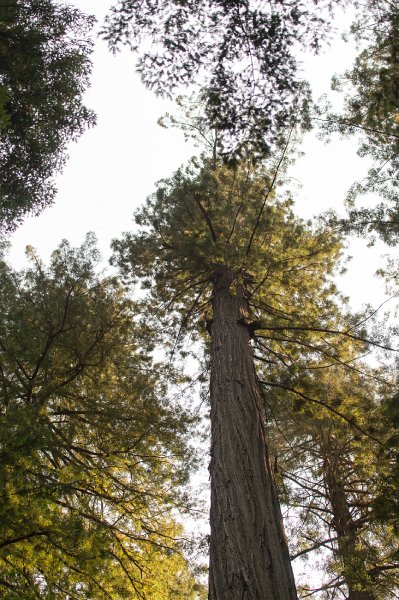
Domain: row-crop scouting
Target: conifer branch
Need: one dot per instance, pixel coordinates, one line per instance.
(328, 407)
(314, 547)
(268, 192)
(357, 126)
(329, 331)
(206, 216)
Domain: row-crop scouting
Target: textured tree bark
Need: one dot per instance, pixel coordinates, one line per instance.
(249, 557)
(354, 570)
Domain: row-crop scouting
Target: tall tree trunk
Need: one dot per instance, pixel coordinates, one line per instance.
(354, 570)
(249, 557)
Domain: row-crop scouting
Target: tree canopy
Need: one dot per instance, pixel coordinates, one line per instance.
(44, 69)
(371, 112)
(93, 455)
(244, 54)
(206, 219)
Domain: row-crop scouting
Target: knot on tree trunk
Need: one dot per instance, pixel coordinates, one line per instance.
(252, 326)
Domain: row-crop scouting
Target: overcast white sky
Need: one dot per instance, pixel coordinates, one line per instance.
(114, 166)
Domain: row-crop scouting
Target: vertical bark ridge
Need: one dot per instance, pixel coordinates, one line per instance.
(249, 557)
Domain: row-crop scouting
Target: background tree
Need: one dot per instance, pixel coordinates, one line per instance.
(244, 54)
(331, 454)
(387, 501)
(371, 112)
(217, 247)
(93, 456)
(44, 70)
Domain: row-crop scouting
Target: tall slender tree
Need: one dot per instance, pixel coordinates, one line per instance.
(217, 247)
(371, 112)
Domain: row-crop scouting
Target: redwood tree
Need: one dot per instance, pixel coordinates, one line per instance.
(218, 251)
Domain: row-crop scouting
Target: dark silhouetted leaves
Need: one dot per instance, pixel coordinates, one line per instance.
(44, 69)
(243, 55)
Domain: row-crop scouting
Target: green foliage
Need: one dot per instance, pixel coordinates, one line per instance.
(44, 70)
(331, 454)
(387, 502)
(371, 110)
(93, 456)
(243, 53)
(206, 220)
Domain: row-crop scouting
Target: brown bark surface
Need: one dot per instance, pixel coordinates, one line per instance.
(249, 557)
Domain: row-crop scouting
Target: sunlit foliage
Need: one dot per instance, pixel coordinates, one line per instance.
(93, 456)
